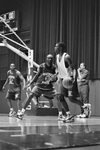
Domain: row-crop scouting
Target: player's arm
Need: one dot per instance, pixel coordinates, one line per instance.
(84, 75)
(55, 75)
(74, 74)
(68, 63)
(36, 76)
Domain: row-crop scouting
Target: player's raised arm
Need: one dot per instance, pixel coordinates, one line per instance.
(34, 79)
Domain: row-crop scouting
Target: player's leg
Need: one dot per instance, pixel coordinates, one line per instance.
(80, 98)
(62, 93)
(69, 117)
(85, 97)
(21, 114)
(50, 94)
(18, 100)
(74, 99)
(50, 100)
(61, 117)
(9, 97)
(34, 93)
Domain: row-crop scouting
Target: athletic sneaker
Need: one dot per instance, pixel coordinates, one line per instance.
(12, 113)
(18, 112)
(68, 119)
(82, 116)
(87, 110)
(61, 118)
(21, 115)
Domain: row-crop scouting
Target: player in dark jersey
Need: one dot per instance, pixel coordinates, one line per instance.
(14, 79)
(43, 80)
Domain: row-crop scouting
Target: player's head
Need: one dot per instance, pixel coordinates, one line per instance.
(59, 47)
(12, 66)
(49, 59)
(82, 65)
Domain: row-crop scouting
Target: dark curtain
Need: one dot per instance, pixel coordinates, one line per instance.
(45, 27)
(81, 33)
(75, 22)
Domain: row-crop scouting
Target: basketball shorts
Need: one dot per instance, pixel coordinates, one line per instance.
(61, 89)
(13, 95)
(50, 93)
(67, 92)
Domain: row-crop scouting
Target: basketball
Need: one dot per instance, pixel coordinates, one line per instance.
(67, 83)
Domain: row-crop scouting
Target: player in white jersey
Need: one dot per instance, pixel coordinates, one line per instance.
(65, 70)
(14, 79)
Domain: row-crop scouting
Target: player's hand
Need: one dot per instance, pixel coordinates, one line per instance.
(79, 69)
(54, 78)
(3, 88)
(72, 78)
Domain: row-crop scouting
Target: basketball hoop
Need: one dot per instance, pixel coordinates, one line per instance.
(28, 58)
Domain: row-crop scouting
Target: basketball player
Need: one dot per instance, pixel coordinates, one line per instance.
(65, 70)
(14, 79)
(43, 80)
(83, 87)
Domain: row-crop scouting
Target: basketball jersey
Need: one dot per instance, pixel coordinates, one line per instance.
(13, 80)
(44, 75)
(63, 71)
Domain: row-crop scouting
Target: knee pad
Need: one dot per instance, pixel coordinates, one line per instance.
(61, 97)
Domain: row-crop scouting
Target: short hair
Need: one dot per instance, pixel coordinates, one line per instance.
(49, 56)
(62, 44)
(12, 64)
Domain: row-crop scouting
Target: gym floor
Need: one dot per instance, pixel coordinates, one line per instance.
(46, 132)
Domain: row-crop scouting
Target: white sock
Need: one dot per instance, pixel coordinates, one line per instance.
(11, 109)
(23, 110)
(68, 113)
(60, 113)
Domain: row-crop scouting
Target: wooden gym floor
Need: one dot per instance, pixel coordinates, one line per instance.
(46, 132)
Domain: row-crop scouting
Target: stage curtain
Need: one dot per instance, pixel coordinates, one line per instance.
(45, 27)
(75, 22)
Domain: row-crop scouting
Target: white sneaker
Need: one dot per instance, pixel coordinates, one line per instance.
(21, 115)
(87, 109)
(61, 118)
(78, 116)
(12, 113)
(18, 112)
(82, 116)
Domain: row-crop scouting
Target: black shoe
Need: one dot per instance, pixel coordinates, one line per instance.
(20, 116)
(68, 119)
